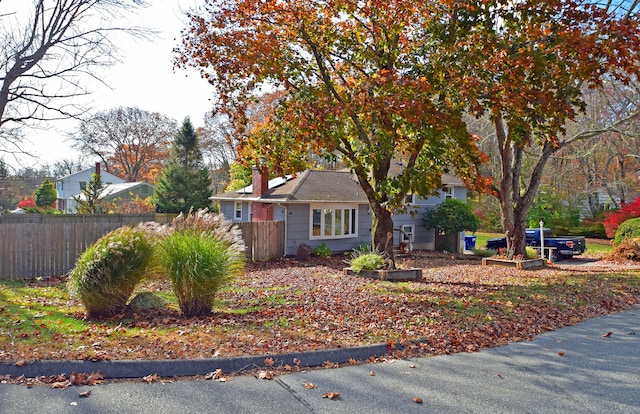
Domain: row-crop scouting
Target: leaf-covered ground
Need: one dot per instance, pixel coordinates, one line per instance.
(288, 305)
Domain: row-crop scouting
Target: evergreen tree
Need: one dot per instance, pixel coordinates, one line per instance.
(184, 183)
(91, 203)
(46, 194)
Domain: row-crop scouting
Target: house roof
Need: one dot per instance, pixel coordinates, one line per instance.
(305, 187)
(315, 186)
(92, 170)
(398, 166)
(113, 190)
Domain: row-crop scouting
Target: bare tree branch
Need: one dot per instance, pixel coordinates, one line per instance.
(48, 53)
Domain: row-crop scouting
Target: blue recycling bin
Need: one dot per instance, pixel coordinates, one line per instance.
(469, 242)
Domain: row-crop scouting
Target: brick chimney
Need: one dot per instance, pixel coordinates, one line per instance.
(260, 185)
(98, 169)
(259, 181)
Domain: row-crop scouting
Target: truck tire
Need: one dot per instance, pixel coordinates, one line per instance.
(555, 256)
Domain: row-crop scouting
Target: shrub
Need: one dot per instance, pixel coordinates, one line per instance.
(614, 219)
(532, 253)
(368, 259)
(484, 252)
(303, 252)
(322, 250)
(629, 249)
(627, 230)
(198, 264)
(554, 211)
(451, 216)
(27, 203)
(589, 229)
(107, 272)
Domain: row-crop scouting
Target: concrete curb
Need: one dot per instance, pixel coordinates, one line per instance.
(189, 367)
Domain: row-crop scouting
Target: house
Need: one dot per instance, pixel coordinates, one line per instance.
(600, 199)
(72, 186)
(325, 206)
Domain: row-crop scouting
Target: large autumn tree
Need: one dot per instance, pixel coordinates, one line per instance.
(131, 142)
(525, 65)
(345, 73)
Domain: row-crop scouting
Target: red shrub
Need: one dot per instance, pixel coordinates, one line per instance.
(614, 219)
(26, 203)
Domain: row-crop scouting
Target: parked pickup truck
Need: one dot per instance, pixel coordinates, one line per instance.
(557, 248)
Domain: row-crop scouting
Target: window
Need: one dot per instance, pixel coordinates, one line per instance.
(410, 199)
(83, 185)
(333, 222)
(406, 234)
(144, 190)
(448, 192)
(237, 215)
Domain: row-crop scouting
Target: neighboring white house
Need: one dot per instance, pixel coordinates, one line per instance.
(73, 184)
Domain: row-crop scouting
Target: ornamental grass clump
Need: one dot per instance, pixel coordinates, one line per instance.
(201, 252)
(198, 265)
(105, 275)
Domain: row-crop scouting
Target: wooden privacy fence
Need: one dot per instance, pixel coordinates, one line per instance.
(264, 240)
(35, 245)
(45, 245)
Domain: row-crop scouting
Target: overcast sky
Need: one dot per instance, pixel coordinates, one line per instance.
(145, 79)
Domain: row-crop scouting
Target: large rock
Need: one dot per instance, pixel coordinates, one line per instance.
(147, 301)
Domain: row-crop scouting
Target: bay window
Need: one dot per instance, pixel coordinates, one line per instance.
(333, 221)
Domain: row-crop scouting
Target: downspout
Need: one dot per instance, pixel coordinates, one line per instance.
(286, 225)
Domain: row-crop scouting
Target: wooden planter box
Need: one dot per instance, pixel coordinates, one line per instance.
(398, 275)
(520, 264)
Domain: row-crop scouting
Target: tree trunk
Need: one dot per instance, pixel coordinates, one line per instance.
(516, 197)
(382, 233)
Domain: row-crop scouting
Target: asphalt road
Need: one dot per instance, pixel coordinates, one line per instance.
(593, 367)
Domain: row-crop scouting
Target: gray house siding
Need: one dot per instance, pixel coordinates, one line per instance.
(228, 209)
(423, 238)
(299, 227)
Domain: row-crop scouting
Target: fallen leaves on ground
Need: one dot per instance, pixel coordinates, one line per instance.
(216, 375)
(268, 375)
(331, 395)
(288, 305)
(151, 378)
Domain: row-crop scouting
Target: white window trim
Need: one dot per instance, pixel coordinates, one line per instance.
(411, 230)
(333, 207)
(236, 210)
(411, 198)
(448, 192)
